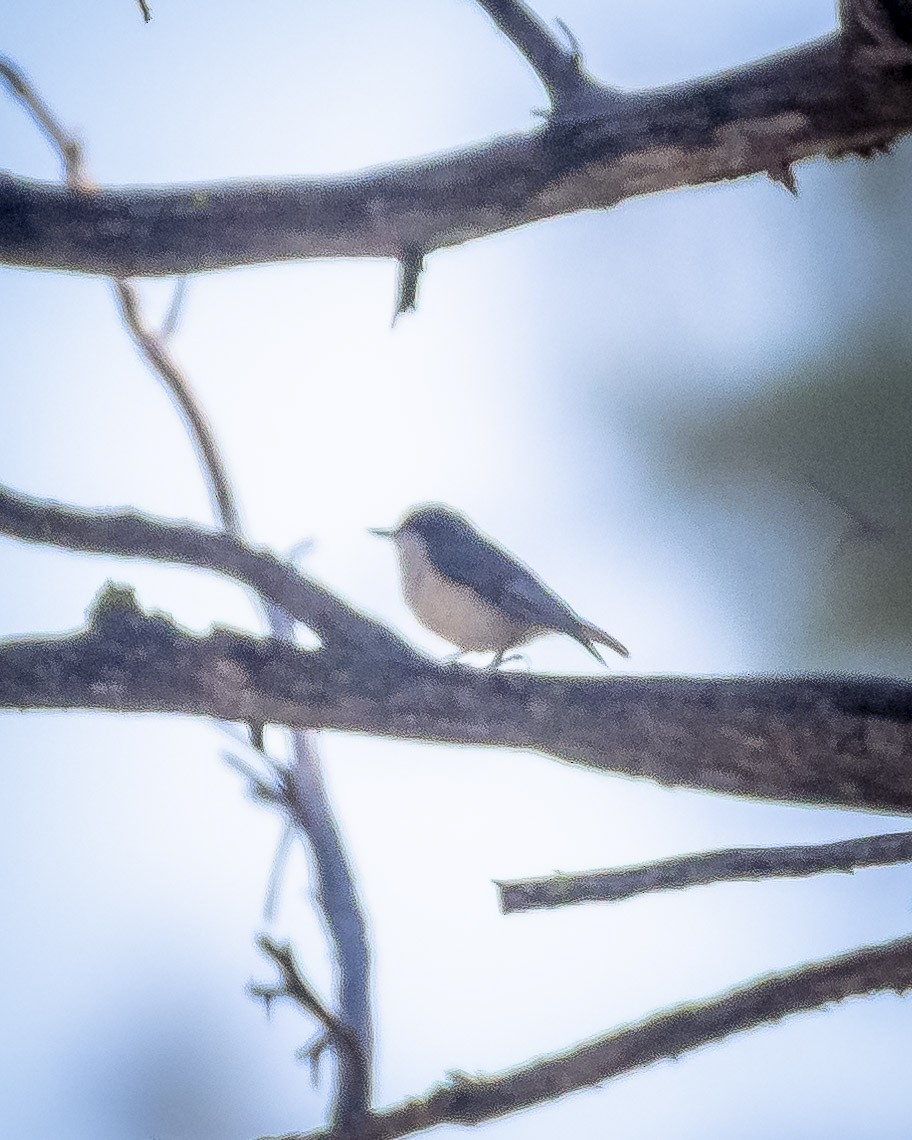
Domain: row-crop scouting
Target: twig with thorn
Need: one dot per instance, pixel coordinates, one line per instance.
(293, 985)
(572, 92)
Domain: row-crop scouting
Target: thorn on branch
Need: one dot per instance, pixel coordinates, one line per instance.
(784, 175)
(411, 266)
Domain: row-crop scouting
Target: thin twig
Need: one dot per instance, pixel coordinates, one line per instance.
(175, 310)
(293, 985)
(146, 11)
(68, 147)
(702, 869)
(337, 894)
(155, 354)
(862, 527)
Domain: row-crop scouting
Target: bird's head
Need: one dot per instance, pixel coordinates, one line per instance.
(428, 522)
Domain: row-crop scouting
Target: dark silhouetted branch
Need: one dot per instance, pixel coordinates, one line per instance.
(702, 869)
(137, 536)
(834, 96)
(818, 740)
(472, 1100)
(559, 66)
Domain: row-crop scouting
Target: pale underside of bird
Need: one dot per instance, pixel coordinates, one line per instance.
(466, 588)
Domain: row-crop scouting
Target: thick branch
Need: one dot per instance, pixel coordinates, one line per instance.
(813, 740)
(793, 106)
(704, 868)
(474, 1100)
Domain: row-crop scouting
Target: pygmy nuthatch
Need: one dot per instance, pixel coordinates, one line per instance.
(463, 586)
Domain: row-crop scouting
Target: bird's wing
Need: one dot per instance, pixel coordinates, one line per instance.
(502, 580)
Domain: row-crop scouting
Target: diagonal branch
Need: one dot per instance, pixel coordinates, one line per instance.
(558, 66)
(67, 146)
(152, 349)
(705, 868)
(293, 985)
(474, 1100)
(138, 536)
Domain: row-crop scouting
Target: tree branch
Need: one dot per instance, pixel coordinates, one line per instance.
(309, 808)
(474, 1100)
(702, 869)
(152, 349)
(137, 536)
(293, 985)
(67, 146)
(799, 104)
(827, 740)
(559, 67)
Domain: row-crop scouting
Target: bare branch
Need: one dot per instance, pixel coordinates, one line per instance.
(146, 11)
(152, 349)
(559, 66)
(63, 142)
(818, 740)
(764, 116)
(472, 1100)
(137, 536)
(336, 891)
(704, 868)
(293, 985)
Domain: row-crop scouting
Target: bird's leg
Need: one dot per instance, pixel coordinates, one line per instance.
(500, 658)
(453, 658)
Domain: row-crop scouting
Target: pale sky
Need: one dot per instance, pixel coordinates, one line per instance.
(543, 387)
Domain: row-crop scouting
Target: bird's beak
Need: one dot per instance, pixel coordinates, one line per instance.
(381, 532)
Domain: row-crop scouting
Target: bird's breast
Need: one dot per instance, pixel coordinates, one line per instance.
(453, 611)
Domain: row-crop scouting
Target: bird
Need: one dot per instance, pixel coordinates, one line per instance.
(462, 585)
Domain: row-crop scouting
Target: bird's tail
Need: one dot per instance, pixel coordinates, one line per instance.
(588, 633)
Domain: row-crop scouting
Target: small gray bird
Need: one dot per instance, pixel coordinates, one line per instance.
(463, 586)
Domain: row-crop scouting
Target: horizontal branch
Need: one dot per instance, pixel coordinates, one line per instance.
(704, 868)
(822, 740)
(817, 100)
(473, 1100)
(807, 740)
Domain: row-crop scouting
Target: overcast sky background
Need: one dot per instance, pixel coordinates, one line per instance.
(632, 401)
